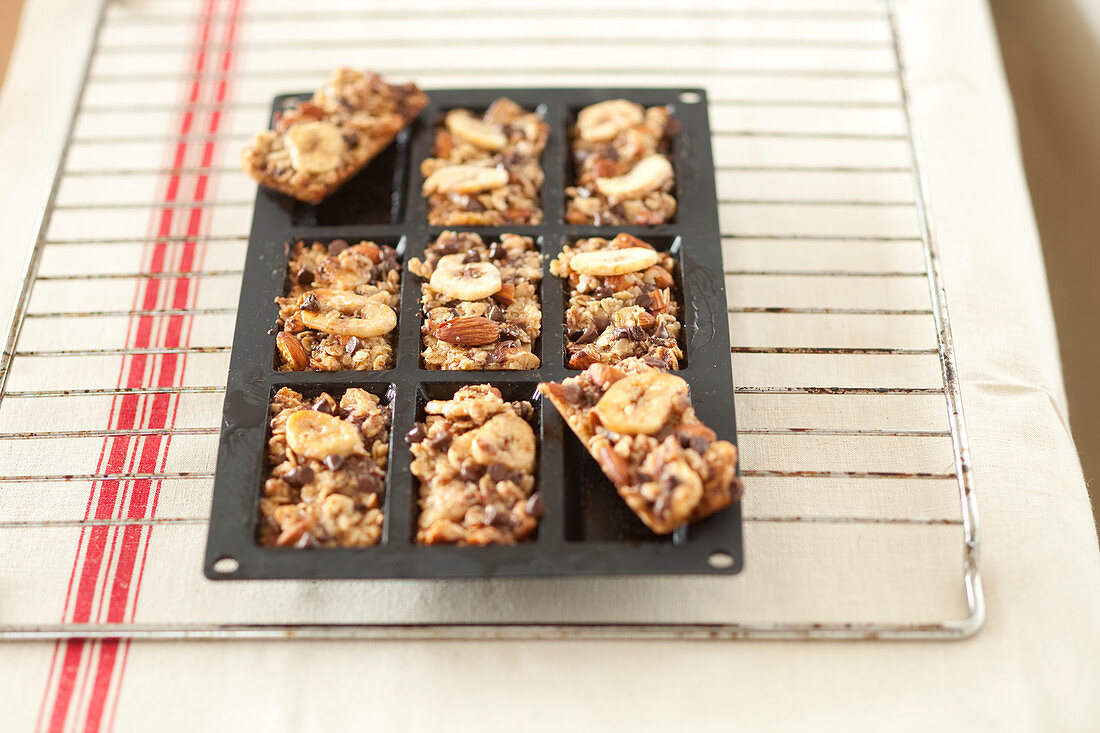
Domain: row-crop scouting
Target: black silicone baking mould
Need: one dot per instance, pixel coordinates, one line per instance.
(588, 529)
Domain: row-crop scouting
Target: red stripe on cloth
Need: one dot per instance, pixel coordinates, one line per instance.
(132, 548)
(128, 411)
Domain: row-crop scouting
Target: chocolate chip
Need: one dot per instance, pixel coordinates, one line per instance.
(573, 333)
(535, 506)
(495, 313)
(304, 277)
(644, 300)
(298, 476)
(699, 444)
(368, 484)
(322, 405)
(655, 361)
(499, 472)
(474, 204)
(523, 409)
(620, 333)
(310, 303)
(448, 246)
(471, 471)
(604, 291)
(352, 345)
(661, 332)
(601, 322)
(610, 153)
(619, 210)
(511, 331)
(572, 393)
(644, 477)
(334, 462)
(337, 246)
(471, 256)
(497, 251)
(441, 441)
(636, 333)
(351, 138)
(587, 336)
(416, 435)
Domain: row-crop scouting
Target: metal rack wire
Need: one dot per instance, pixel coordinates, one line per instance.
(108, 193)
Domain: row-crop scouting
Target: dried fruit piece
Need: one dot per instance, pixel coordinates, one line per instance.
(474, 131)
(292, 351)
(469, 331)
(604, 120)
(317, 435)
(465, 179)
(507, 439)
(459, 450)
(465, 280)
(640, 402)
(344, 313)
(613, 261)
(315, 147)
(648, 175)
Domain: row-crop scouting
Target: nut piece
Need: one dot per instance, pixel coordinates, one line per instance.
(469, 331)
(465, 280)
(613, 261)
(474, 131)
(507, 439)
(292, 351)
(315, 147)
(648, 175)
(318, 435)
(603, 121)
(349, 314)
(640, 403)
(465, 179)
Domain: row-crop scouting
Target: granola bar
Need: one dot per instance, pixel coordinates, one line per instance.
(480, 302)
(475, 458)
(638, 423)
(328, 470)
(620, 302)
(624, 176)
(317, 146)
(485, 171)
(339, 312)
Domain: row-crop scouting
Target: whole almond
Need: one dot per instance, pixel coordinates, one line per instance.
(469, 331)
(292, 351)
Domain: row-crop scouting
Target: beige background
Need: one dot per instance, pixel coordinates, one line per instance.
(1051, 53)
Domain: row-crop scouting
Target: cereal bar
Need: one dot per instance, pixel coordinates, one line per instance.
(328, 470)
(480, 302)
(620, 302)
(475, 458)
(623, 174)
(339, 312)
(638, 423)
(485, 171)
(317, 146)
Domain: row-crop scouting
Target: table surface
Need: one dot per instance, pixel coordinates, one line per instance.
(817, 218)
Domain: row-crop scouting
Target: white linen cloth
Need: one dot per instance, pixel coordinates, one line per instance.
(1033, 667)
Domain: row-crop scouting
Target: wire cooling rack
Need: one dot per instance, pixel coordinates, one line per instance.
(860, 516)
